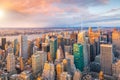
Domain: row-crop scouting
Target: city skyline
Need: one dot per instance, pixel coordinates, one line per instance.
(59, 13)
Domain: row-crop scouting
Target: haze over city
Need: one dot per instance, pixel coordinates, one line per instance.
(59, 13)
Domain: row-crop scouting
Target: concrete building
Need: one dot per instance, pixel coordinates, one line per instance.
(10, 62)
(36, 67)
(3, 41)
(78, 56)
(53, 48)
(68, 48)
(106, 58)
(116, 68)
(23, 46)
(82, 40)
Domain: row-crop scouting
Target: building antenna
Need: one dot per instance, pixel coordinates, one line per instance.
(81, 24)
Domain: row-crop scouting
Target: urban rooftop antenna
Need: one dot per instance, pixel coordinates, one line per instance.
(81, 25)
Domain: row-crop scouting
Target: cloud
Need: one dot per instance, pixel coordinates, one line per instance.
(47, 6)
(45, 13)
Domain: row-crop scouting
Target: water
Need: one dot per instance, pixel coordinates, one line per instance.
(30, 37)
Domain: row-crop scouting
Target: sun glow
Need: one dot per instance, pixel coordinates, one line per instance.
(2, 13)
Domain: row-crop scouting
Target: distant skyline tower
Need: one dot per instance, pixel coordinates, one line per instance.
(3, 40)
(23, 46)
(10, 62)
(53, 47)
(106, 58)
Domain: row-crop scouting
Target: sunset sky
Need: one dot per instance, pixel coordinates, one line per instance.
(59, 13)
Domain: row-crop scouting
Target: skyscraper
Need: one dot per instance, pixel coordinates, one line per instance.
(30, 48)
(82, 40)
(23, 46)
(116, 68)
(3, 43)
(42, 58)
(36, 67)
(59, 53)
(78, 56)
(53, 47)
(106, 58)
(116, 42)
(68, 48)
(10, 62)
(45, 47)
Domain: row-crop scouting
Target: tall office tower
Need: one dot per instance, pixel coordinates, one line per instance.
(67, 65)
(43, 38)
(35, 49)
(73, 36)
(38, 42)
(48, 71)
(65, 76)
(59, 54)
(47, 39)
(30, 48)
(49, 57)
(104, 38)
(71, 57)
(21, 64)
(60, 41)
(97, 44)
(53, 47)
(116, 68)
(78, 56)
(43, 59)
(116, 42)
(23, 46)
(68, 48)
(67, 40)
(3, 40)
(45, 47)
(106, 58)
(82, 40)
(36, 67)
(10, 49)
(92, 35)
(77, 75)
(16, 47)
(59, 70)
(91, 52)
(10, 62)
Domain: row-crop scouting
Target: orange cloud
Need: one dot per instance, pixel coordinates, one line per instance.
(30, 6)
